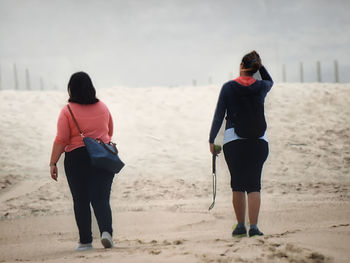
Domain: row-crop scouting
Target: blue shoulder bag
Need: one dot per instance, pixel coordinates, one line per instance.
(102, 155)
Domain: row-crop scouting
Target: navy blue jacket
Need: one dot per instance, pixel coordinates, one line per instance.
(226, 102)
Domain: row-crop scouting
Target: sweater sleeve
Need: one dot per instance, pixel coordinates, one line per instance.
(63, 129)
(266, 78)
(218, 116)
(110, 126)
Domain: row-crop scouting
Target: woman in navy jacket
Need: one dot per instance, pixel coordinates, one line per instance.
(244, 156)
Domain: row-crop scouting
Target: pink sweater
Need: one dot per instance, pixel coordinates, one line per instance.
(94, 120)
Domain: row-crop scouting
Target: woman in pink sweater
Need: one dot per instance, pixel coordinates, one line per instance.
(88, 185)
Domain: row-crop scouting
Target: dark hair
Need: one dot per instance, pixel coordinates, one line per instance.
(81, 90)
(251, 62)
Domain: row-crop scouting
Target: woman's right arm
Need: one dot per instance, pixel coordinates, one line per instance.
(57, 150)
(61, 140)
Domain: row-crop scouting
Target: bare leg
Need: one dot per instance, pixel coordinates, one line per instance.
(253, 207)
(238, 201)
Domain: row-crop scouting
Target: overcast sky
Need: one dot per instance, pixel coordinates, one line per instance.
(170, 42)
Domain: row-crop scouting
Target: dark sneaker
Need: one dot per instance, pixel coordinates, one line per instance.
(239, 231)
(255, 232)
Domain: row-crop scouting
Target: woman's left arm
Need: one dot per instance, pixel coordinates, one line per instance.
(110, 126)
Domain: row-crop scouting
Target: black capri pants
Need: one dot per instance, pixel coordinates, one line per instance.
(88, 185)
(245, 159)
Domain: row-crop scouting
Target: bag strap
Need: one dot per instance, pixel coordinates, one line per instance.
(75, 121)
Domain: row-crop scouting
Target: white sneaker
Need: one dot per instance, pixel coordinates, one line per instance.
(84, 247)
(106, 240)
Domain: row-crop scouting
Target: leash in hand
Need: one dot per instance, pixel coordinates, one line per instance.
(217, 150)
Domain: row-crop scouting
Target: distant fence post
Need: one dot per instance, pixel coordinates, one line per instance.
(318, 66)
(0, 79)
(284, 75)
(301, 72)
(27, 79)
(194, 82)
(336, 71)
(15, 76)
(41, 84)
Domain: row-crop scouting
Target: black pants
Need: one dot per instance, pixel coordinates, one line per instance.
(245, 159)
(88, 185)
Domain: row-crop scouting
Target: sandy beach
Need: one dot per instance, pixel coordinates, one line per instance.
(160, 199)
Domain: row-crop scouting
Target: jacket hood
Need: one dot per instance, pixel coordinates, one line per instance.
(246, 90)
(245, 80)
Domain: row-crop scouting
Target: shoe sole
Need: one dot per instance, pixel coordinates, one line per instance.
(106, 243)
(83, 248)
(239, 236)
(256, 236)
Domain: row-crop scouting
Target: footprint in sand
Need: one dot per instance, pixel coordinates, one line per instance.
(292, 253)
(166, 243)
(154, 252)
(178, 242)
(340, 225)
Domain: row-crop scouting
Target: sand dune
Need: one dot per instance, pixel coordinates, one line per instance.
(160, 200)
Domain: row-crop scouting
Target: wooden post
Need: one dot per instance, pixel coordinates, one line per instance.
(318, 66)
(284, 75)
(336, 71)
(41, 84)
(27, 79)
(194, 82)
(301, 72)
(15, 76)
(0, 79)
